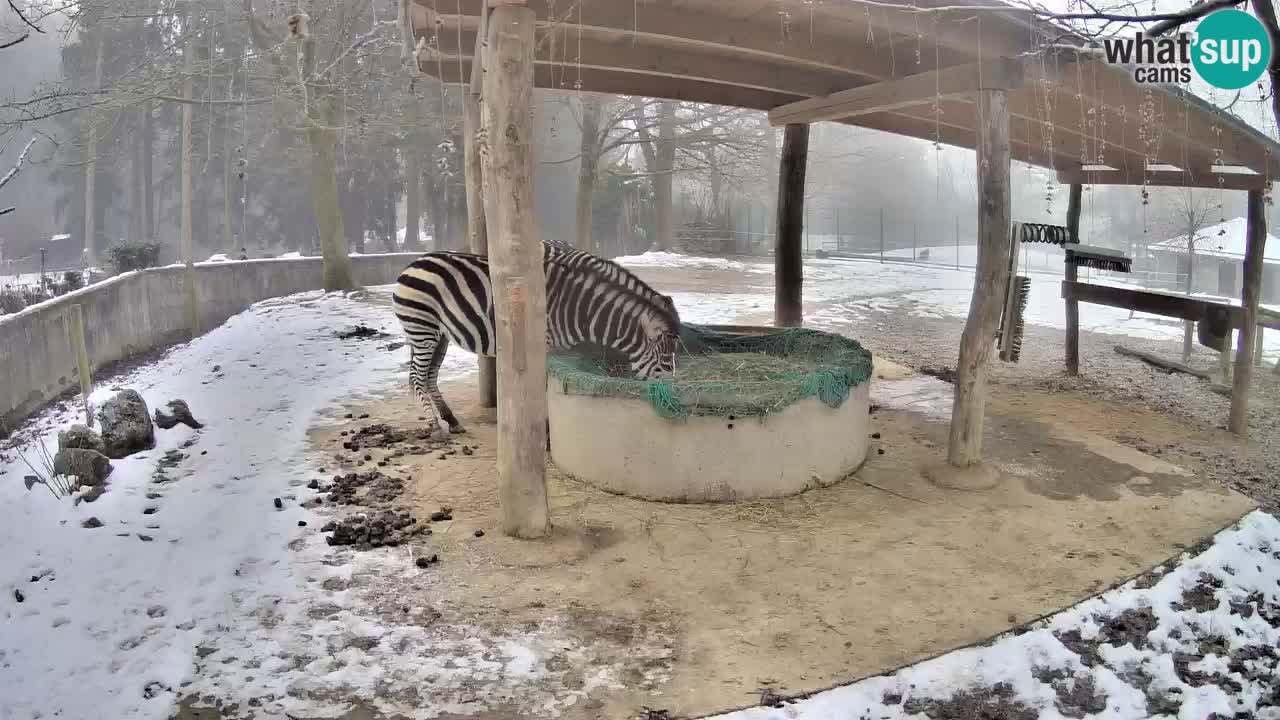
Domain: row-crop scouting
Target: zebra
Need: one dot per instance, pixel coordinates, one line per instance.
(445, 296)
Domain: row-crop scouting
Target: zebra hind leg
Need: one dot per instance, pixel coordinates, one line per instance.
(433, 373)
(421, 351)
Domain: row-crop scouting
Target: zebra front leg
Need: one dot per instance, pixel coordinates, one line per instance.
(433, 373)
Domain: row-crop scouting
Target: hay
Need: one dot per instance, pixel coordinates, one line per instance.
(728, 373)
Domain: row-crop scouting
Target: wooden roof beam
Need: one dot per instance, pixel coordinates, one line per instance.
(1165, 178)
(689, 28)
(680, 64)
(920, 89)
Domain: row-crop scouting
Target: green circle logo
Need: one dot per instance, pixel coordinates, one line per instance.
(1232, 49)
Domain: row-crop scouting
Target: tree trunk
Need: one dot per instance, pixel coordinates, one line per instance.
(788, 260)
(662, 195)
(91, 166)
(186, 230)
(389, 234)
(148, 190)
(412, 200)
(588, 163)
(133, 181)
(991, 278)
(323, 178)
(229, 244)
(517, 275)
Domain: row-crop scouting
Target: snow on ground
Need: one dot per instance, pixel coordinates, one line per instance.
(115, 620)
(1218, 630)
(112, 625)
(845, 290)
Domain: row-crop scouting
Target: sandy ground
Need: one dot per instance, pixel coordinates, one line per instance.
(693, 608)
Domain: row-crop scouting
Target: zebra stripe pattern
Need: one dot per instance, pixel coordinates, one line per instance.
(448, 296)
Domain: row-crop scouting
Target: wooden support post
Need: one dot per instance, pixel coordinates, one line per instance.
(75, 335)
(965, 442)
(788, 262)
(1258, 346)
(477, 237)
(1073, 306)
(1250, 293)
(515, 266)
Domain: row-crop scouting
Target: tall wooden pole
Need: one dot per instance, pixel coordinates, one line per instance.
(1073, 306)
(788, 262)
(990, 277)
(516, 270)
(473, 174)
(1250, 294)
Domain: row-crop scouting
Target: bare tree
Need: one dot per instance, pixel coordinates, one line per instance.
(13, 172)
(1191, 216)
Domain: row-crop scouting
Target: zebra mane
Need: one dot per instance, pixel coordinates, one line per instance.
(613, 275)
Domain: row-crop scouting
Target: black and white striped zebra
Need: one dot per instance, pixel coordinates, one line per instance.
(590, 301)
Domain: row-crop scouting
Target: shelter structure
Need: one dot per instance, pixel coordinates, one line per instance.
(1217, 264)
(976, 74)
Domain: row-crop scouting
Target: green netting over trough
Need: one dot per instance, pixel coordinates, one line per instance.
(728, 371)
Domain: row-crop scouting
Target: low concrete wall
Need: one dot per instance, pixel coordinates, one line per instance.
(140, 311)
(621, 445)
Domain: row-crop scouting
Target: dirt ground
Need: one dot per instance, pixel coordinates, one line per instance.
(699, 607)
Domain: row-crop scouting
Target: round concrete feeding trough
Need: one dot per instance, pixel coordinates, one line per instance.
(752, 412)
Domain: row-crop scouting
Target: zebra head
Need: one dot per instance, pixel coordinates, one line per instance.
(661, 328)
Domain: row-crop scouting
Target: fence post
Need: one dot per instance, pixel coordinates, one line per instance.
(75, 335)
(957, 242)
(882, 235)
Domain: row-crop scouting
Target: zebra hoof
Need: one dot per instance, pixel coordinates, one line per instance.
(457, 430)
(438, 434)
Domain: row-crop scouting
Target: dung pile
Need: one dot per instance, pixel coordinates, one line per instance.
(375, 529)
(367, 488)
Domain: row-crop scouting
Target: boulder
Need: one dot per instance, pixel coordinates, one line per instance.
(90, 467)
(81, 438)
(126, 425)
(178, 413)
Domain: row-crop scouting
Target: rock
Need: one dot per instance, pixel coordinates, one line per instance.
(126, 425)
(81, 438)
(90, 467)
(479, 533)
(278, 503)
(17, 595)
(178, 413)
(91, 523)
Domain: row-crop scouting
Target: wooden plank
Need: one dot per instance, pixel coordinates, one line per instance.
(993, 160)
(1250, 294)
(919, 89)
(1157, 361)
(1157, 303)
(1073, 306)
(788, 262)
(1166, 178)
(516, 270)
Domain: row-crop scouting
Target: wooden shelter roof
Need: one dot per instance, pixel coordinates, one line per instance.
(872, 64)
